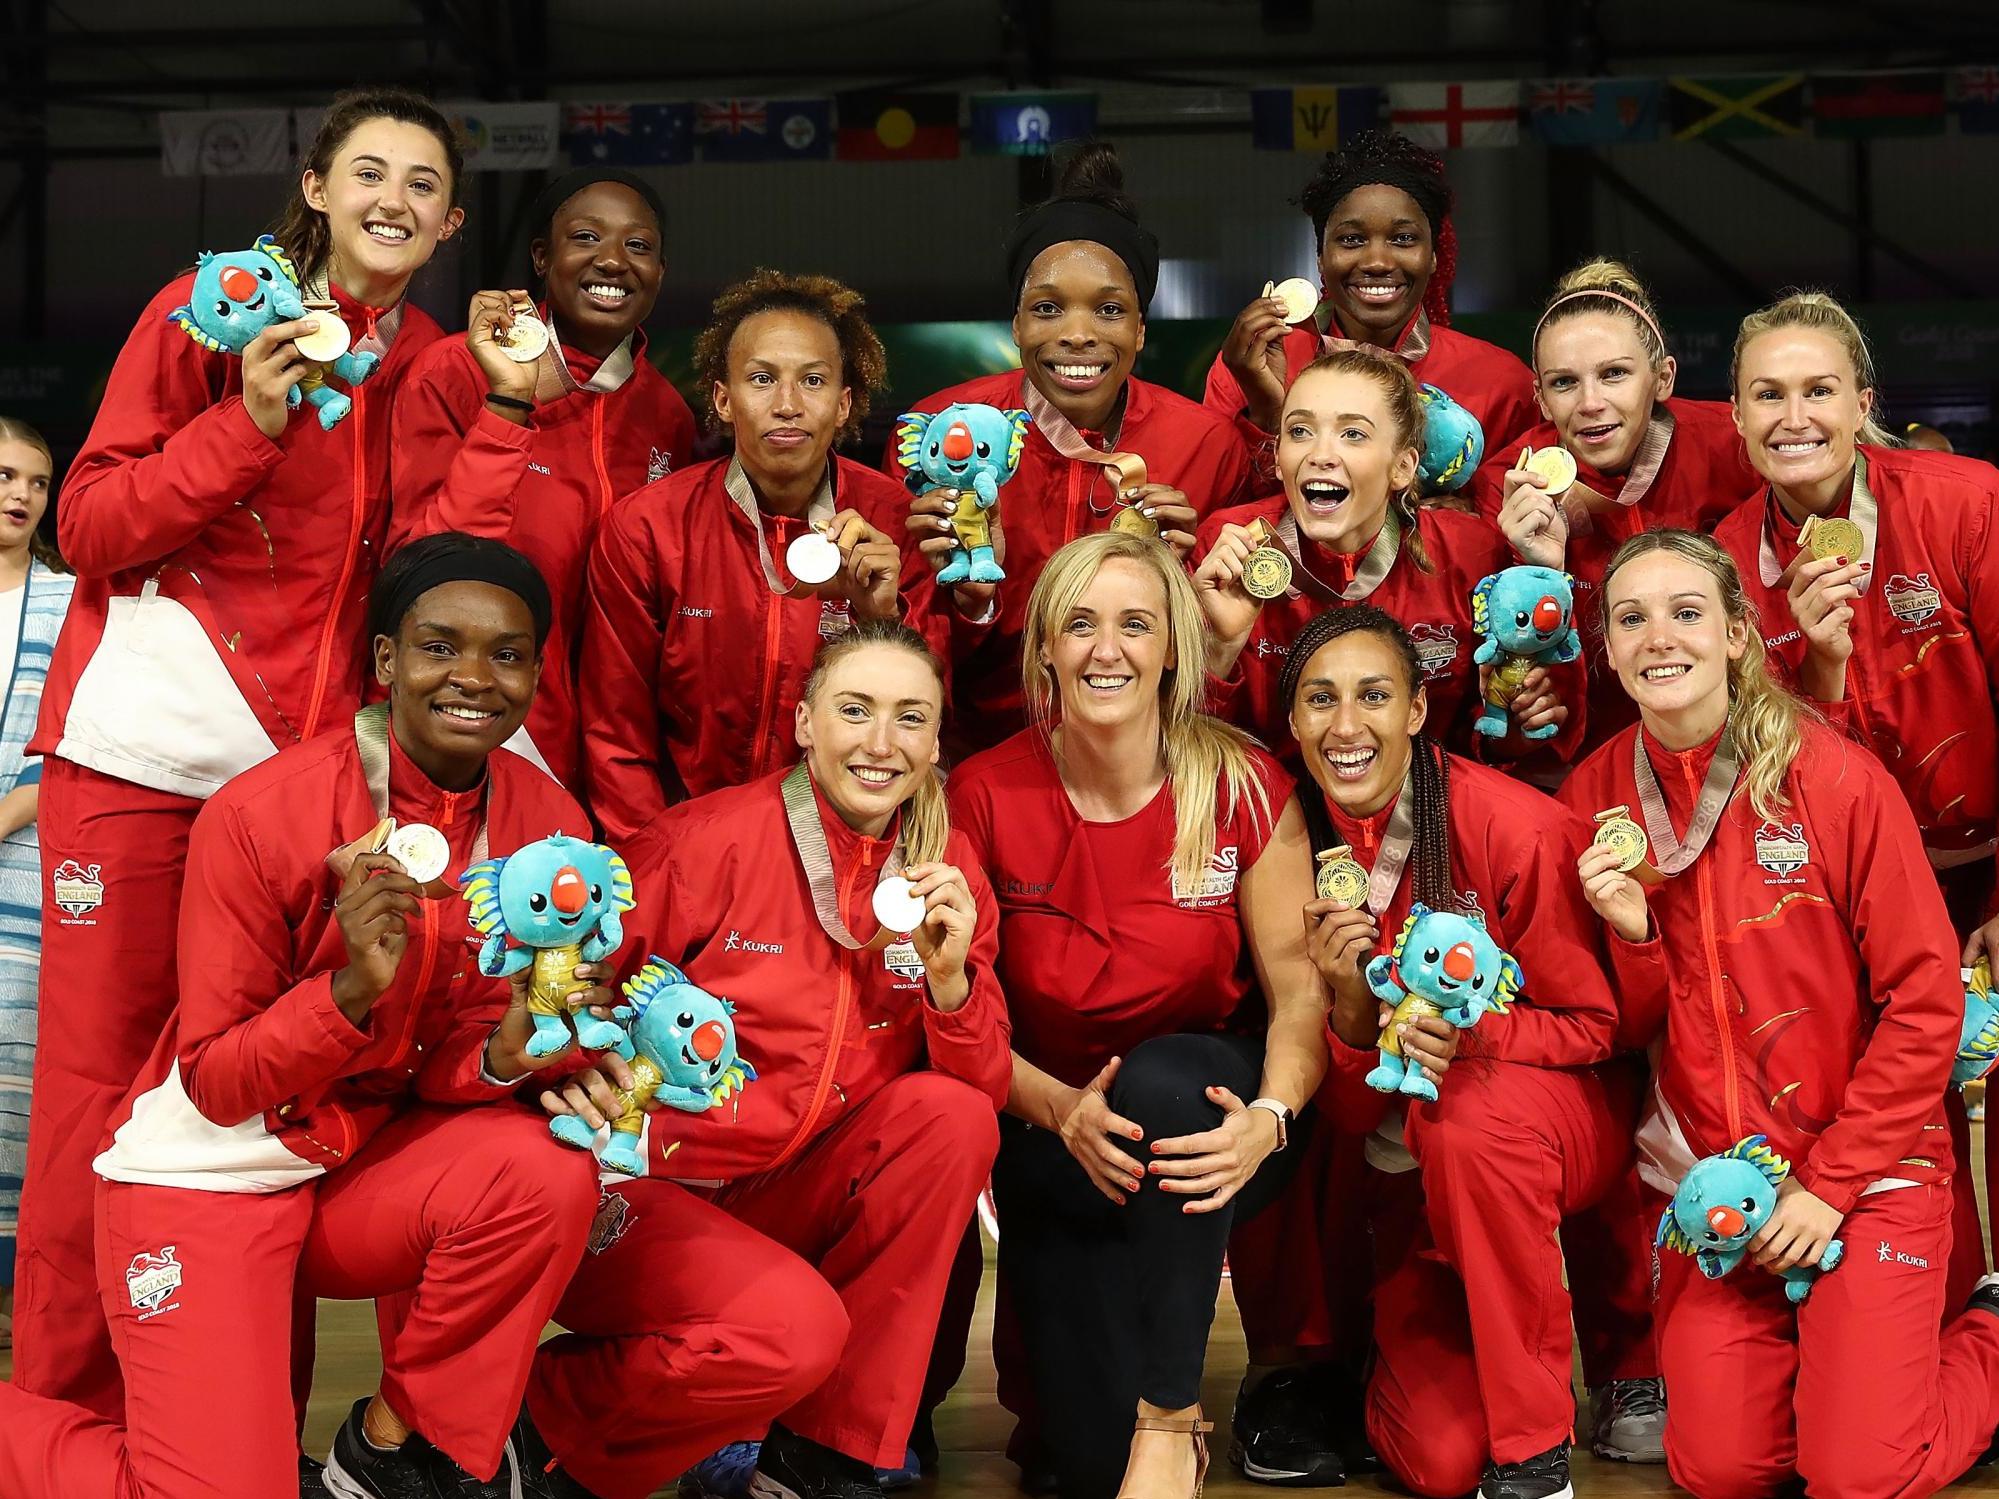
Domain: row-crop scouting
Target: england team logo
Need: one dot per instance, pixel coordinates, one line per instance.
(1436, 648)
(1782, 849)
(77, 887)
(151, 1281)
(1913, 600)
(658, 466)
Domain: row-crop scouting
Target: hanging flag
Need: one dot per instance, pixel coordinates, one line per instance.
(1029, 124)
(1457, 114)
(1975, 94)
(1311, 119)
(876, 126)
(1848, 106)
(1593, 111)
(507, 137)
(628, 135)
(225, 142)
(764, 129)
(1735, 108)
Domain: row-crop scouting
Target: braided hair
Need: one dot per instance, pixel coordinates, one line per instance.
(1394, 160)
(1429, 767)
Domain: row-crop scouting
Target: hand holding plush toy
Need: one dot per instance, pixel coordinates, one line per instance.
(1978, 1038)
(240, 293)
(548, 906)
(682, 1050)
(1526, 615)
(970, 451)
(1722, 1203)
(1442, 964)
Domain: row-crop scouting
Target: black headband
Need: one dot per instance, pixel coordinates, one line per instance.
(1067, 219)
(560, 190)
(1431, 195)
(398, 589)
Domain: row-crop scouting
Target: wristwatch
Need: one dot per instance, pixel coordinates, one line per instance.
(1281, 1113)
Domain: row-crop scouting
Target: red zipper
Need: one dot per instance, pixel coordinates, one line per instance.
(767, 699)
(428, 963)
(1077, 489)
(842, 1000)
(597, 452)
(1731, 1086)
(359, 417)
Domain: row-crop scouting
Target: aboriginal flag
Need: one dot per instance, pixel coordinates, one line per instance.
(898, 127)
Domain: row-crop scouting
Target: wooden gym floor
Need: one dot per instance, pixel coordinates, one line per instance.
(972, 1428)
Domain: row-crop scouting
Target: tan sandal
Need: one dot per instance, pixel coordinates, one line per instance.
(1192, 1426)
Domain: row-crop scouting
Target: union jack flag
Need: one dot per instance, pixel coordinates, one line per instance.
(1976, 91)
(1562, 97)
(732, 117)
(598, 119)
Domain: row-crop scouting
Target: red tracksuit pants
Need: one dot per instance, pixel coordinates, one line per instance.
(706, 1318)
(1858, 1391)
(107, 987)
(1471, 1320)
(474, 1213)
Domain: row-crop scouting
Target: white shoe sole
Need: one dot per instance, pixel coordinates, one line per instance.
(1567, 1491)
(339, 1481)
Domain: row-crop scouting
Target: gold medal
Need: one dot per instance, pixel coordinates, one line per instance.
(1553, 464)
(1134, 522)
(1615, 829)
(1298, 297)
(1837, 537)
(1978, 978)
(1342, 878)
(1266, 572)
(330, 339)
(525, 340)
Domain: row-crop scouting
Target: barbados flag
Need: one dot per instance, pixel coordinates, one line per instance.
(1311, 119)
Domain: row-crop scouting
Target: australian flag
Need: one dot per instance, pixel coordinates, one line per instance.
(1593, 111)
(628, 135)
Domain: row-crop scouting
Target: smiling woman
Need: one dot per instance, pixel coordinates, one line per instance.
(222, 548)
(546, 412)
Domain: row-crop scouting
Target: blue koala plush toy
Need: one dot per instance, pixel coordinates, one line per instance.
(550, 905)
(1723, 1201)
(240, 293)
(1527, 618)
(970, 450)
(1442, 964)
(1453, 444)
(682, 1050)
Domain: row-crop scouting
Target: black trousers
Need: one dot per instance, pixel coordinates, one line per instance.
(1115, 1303)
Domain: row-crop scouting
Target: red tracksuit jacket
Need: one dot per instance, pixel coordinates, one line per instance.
(1483, 378)
(1099, 949)
(1803, 971)
(222, 578)
(1049, 502)
(722, 894)
(691, 666)
(1704, 475)
(1925, 665)
(260, 1081)
(541, 488)
(1513, 862)
(1435, 607)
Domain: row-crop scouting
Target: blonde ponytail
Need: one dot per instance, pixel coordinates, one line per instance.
(1766, 720)
(1819, 312)
(1201, 752)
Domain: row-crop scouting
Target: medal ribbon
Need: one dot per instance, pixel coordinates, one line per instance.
(1669, 854)
(1863, 510)
(1386, 876)
(808, 836)
(1127, 469)
(1413, 347)
(371, 739)
(1583, 505)
(553, 377)
(1373, 567)
(820, 511)
(381, 328)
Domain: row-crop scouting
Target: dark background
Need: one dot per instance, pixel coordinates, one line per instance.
(1906, 230)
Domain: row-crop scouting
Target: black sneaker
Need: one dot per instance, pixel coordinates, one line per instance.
(355, 1469)
(1628, 1420)
(541, 1476)
(311, 1478)
(1543, 1477)
(791, 1467)
(1284, 1432)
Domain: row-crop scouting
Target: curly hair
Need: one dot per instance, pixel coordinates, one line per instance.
(863, 365)
(1386, 156)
